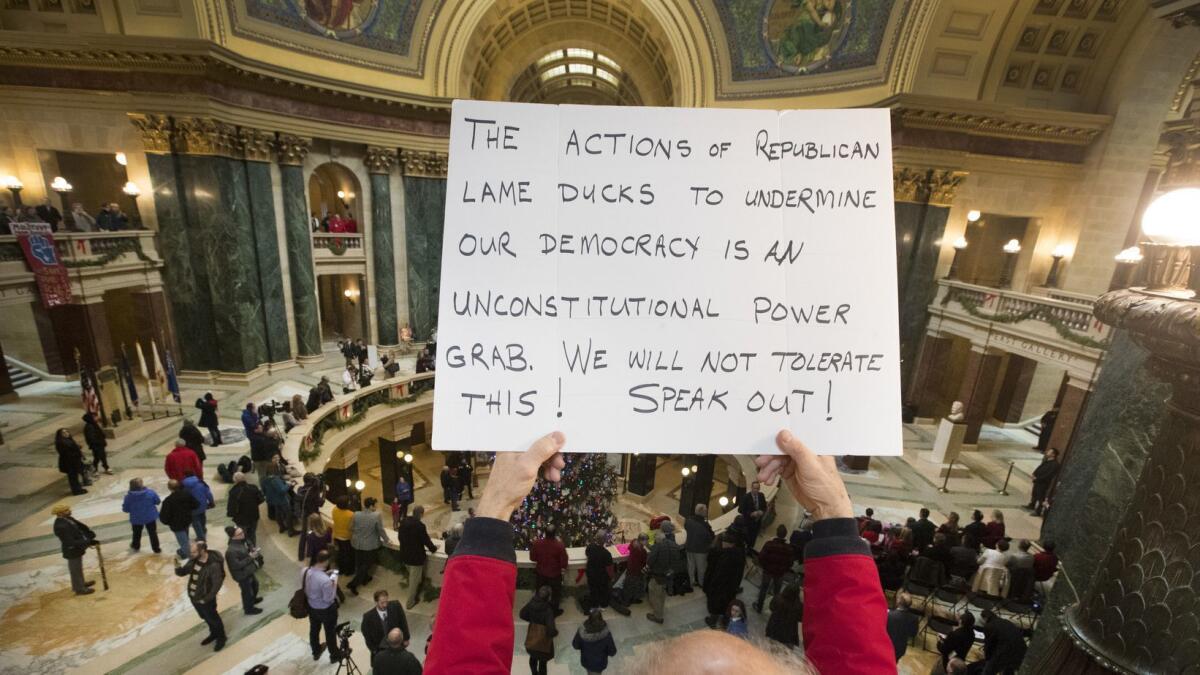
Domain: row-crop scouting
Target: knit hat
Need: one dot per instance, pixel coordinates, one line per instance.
(667, 527)
(60, 509)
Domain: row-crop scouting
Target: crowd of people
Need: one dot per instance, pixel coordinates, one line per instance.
(108, 218)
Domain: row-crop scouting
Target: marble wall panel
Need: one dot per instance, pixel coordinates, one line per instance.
(425, 212)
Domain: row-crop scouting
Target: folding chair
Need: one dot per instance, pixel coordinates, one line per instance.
(939, 627)
(945, 603)
(977, 602)
(1019, 613)
(915, 592)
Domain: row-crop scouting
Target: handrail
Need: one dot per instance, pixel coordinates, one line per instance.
(301, 438)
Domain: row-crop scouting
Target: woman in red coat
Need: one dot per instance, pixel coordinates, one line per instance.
(994, 530)
(844, 625)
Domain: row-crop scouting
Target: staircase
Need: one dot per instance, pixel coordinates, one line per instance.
(1034, 428)
(19, 376)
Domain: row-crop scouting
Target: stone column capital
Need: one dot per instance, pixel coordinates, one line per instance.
(924, 185)
(292, 149)
(205, 136)
(426, 163)
(256, 145)
(155, 131)
(379, 160)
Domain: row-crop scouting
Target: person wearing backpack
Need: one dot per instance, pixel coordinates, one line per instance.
(539, 640)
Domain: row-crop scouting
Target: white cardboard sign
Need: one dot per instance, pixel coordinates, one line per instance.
(668, 280)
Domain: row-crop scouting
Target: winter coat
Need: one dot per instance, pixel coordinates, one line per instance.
(193, 439)
(176, 511)
(179, 461)
(74, 536)
(208, 413)
(366, 531)
(275, 491)
(539, 612)
(202, 493)
(726, 566)
(414, 540)
(70, 457)
(244, 499)
(784, 624)
(211, 576)
(242, 565)
(141, 506)
(594, 648)
(699, 534)
(93, 434)
(249, 421)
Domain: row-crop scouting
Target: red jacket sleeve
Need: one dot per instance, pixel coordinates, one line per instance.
(845, 613)
(473, 632)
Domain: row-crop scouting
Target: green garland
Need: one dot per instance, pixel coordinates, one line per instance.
(337, 246)
(1064, 331)
(332, 421)
(119, 249)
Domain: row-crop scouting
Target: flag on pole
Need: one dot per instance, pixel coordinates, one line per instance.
(145, 372)
(172, 380)
(127, 373)
(160, 374)
(91, 401)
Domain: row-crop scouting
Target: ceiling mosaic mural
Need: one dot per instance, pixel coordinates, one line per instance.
(784, 38)
(383, 25)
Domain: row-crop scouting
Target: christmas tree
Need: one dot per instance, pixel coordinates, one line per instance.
(579, 506)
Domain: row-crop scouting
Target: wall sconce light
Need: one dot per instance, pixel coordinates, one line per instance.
(686, 472)
(14, 186)
(1061, 251)
(695, 469)
(408, 457)
(122, 159)
(1170, 221)
(131, 189)
(60, 185)
(723, 501)
(1011, 249)
(959, 244)
(359, 485)
(348, 482)
(351, 294)
(973, 216)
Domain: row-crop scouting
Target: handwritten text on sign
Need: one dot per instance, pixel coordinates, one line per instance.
(668, 280)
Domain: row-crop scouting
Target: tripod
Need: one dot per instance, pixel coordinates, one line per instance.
(347, 663)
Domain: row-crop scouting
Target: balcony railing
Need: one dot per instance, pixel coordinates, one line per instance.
(1069, 318)
(120, 258)
(337, 243)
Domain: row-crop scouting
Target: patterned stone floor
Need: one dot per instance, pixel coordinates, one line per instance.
(144, 623)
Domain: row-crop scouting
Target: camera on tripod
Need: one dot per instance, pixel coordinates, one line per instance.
(344, 631)
(346, 664)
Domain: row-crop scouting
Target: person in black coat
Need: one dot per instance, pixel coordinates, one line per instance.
(1043, 475)
(176, 514)
(414, 541)
(787, 611)
(208, 417)
(726, 565)
(539, 611)
(975, 529)
(1003, 645)
(70, 460)
(244, 500)
(1048, 421)
(958, 641)
(394, 658)
(599, 561)
(378, 621)
(752, 505)
(75, 538)
(193, 439)
(97, 443)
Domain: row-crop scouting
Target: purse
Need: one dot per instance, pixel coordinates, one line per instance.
(538, 640)
(298, 605)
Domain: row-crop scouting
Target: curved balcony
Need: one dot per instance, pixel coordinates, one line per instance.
(339, 253)
(350, 416)
(95, 262)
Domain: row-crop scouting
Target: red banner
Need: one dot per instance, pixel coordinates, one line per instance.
(38, 243)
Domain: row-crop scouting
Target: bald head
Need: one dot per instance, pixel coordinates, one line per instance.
(706, 652)
(395, 638)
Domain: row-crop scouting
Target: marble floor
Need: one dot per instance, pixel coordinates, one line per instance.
(144, 623)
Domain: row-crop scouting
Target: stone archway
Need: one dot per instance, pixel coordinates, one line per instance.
(333, 188)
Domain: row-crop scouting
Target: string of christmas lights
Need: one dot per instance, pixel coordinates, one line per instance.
(580, 506)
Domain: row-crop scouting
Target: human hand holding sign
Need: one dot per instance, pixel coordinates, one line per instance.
(513, 475)
(813, 480)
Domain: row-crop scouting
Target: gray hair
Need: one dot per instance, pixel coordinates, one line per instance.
(239, 477)
(701, 510)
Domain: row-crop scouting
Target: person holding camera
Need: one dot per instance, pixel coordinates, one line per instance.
(320, 589)
(205, 571)
(244, 560)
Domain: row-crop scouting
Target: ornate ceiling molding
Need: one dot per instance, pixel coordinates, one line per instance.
(256, 145)
(292, 149)
(379, 160)
(205, 136)
(155, 131)
(423, 163)
(921, 185)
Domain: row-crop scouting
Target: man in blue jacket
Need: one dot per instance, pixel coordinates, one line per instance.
(204, 499)
(141, 503)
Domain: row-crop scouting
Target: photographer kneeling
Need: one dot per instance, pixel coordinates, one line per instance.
(844, 627)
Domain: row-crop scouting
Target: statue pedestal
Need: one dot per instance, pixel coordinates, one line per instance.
(946, 447)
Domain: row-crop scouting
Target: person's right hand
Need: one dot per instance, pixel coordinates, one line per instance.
(813, 480)
(513, 474)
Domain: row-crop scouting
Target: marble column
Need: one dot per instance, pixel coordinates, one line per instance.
(923, 198)
(424, 218)
(642, 470)
(379, 163)
(258, 149)
(1070, 407)
(291, 151)
(979, 379)
(184, 275)
(1014, 387)
(925, 390)
(1142, 611)
(1098, 479)
(217, 207)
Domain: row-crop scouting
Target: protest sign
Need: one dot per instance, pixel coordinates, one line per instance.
(668, 280)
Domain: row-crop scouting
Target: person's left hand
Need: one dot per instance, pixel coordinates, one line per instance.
(513, 475)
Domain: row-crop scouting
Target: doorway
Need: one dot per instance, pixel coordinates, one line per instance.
(343, 306)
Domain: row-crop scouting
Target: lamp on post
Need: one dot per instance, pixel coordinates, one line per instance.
(1170, 221)
(1127, 264)
(62, 187)
(959, 244)
(1061, 251)
(14, 186)
(1011, 249)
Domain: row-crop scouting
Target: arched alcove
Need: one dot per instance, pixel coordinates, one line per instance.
(334, 189)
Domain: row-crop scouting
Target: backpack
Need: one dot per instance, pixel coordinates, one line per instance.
(298, 605)
(226, 471)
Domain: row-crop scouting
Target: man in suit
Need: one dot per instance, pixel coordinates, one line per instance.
(753, 506)
(1003, 645)
(366, 536)
(414, 540)
(75, 538)
(378, 621)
